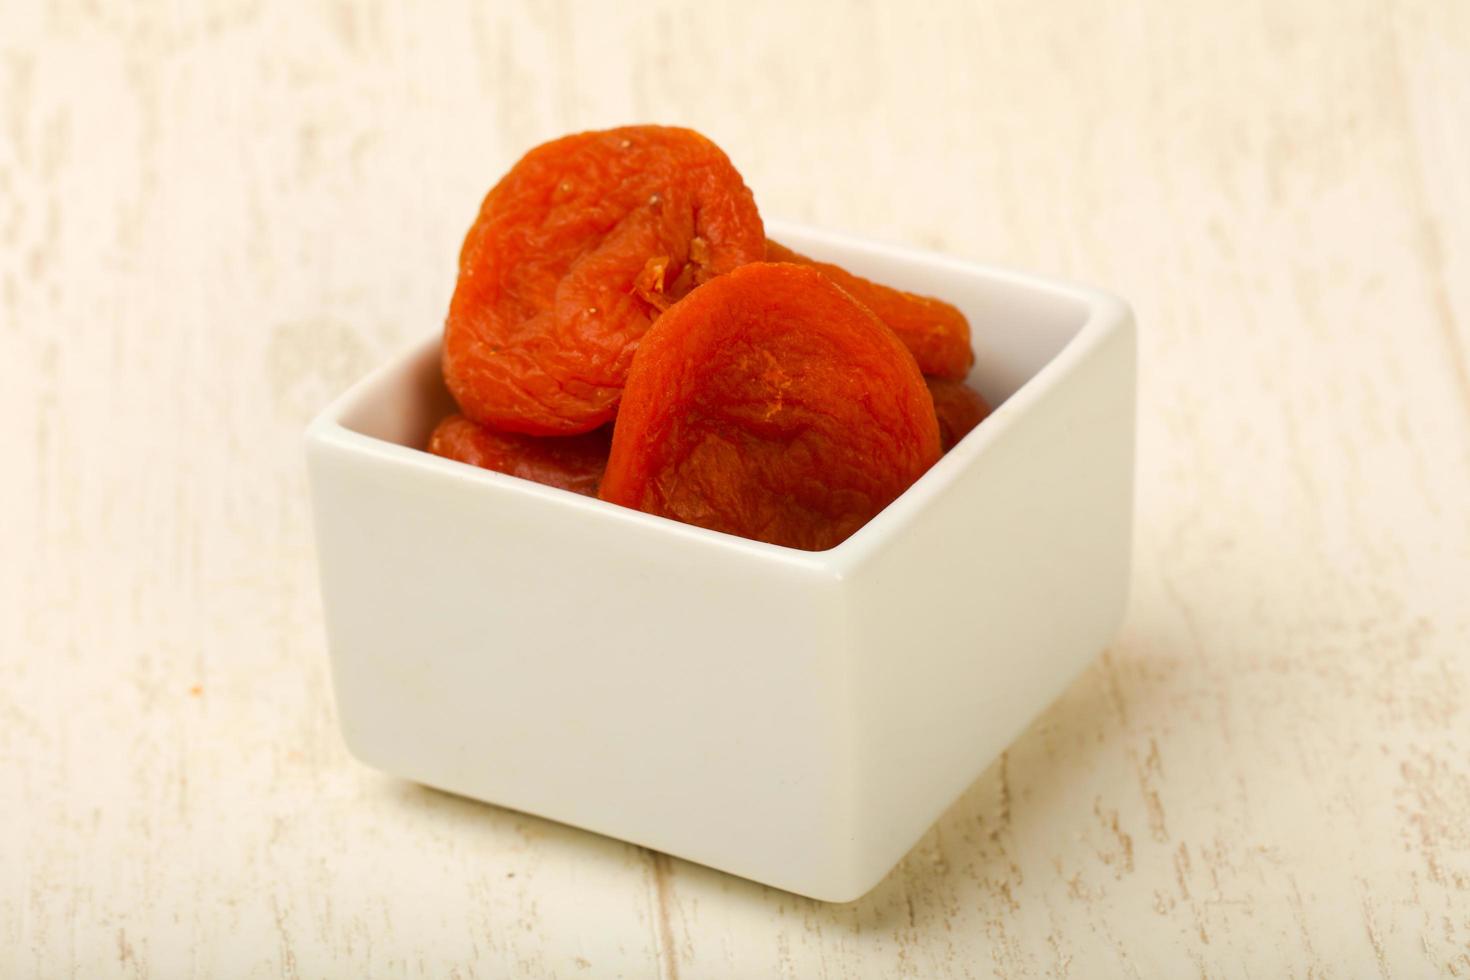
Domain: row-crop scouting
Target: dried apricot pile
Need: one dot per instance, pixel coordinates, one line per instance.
(624, 277)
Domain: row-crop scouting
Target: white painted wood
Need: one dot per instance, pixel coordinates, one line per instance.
(212, 220)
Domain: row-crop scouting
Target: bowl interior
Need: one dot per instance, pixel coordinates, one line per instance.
(403, 402)
(1018, 324)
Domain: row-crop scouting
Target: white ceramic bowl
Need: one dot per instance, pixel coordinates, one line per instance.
(799, 718)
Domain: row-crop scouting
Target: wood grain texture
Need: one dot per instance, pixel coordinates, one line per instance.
(213, 219)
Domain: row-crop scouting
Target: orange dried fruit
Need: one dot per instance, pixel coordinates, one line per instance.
(936, 333)
(572, 463)
(770, 404)
(574, 253)
(958, 407)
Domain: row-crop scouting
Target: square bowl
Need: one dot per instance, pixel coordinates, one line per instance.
(797, 718)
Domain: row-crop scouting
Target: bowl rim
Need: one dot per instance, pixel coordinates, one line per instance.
(1105, 315)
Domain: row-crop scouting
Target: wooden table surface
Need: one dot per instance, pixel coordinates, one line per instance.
(211, 221)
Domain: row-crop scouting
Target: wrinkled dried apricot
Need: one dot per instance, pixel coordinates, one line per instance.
(572, 463)
(936, 333)
(958, 407)
(574, 253)
(770, 404)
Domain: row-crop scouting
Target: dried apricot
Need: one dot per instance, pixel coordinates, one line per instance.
(770, 404)
(574, 253)
(958, 407)
(572, 463)
(935, 332)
